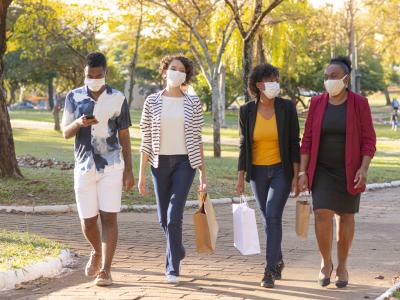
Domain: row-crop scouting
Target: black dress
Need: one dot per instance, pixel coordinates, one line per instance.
(329, 189)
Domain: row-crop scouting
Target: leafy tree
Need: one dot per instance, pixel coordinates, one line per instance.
(207, 31)
(248, 25)
(372, 72)
(57, 36)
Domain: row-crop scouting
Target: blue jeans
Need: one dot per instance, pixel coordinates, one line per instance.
(271, 189)
(172, 181)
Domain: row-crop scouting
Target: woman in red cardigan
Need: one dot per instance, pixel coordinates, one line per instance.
(337, 147)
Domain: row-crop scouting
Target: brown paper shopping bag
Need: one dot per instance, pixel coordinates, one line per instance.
(205, 225)
(303, 210)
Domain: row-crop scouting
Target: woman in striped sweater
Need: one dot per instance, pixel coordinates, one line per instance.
(171, 126)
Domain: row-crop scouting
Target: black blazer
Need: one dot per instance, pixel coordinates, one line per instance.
(288, 135)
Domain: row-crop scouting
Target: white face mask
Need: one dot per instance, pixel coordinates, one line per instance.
(272, 89)
(95, 84)
(334, 86)
(175, 78)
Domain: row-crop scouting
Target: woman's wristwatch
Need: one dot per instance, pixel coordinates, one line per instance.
(301, 173)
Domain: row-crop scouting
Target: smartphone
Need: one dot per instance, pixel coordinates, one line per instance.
(89, 117)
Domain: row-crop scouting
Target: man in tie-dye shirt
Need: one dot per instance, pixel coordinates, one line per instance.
(98, 117)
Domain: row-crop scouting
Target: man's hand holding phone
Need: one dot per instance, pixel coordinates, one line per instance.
(86, 121)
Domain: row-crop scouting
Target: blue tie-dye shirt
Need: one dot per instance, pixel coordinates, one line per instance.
(98, 145)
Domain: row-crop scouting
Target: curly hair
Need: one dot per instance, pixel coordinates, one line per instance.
(188, 64)
(258, 74)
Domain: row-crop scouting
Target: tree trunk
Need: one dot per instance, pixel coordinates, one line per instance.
(207, 106)
(13, 89)
(131, 84)
(215, 98)
(56, 113)
(260, 49)
(247, 62)
(50, 92)
(132, 65)
(8, 162)
(21, 93)
(302, 102)
(222, 78)
(387, 96)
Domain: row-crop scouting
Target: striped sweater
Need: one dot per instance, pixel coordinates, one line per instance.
(150, 127)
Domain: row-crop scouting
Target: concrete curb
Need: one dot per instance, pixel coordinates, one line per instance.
(389, 292)
(54, 209)
(47, 268)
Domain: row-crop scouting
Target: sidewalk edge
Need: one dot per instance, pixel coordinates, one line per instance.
(49, 267)
(389, 292)
(70, 208)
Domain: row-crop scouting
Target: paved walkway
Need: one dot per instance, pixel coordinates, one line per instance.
(139, 263)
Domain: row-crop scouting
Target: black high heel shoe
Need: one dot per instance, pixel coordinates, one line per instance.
(342, 283)
(326, 280)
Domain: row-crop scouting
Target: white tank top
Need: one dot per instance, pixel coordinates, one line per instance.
(172, 132)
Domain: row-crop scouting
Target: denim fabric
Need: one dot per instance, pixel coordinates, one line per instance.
(172, 181)
(271, 189)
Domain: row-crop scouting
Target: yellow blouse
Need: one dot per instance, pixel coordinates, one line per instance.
(265, 150)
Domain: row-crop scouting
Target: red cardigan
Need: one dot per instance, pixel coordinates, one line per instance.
(360, 136)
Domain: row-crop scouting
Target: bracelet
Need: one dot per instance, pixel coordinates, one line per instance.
(301, 173)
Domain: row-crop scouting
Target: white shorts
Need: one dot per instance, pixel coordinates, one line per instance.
(96, 191)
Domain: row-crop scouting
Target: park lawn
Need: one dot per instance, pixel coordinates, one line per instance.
(51, 186)
(378, 99)
(54, 186)
(19, 249)
(32, 115)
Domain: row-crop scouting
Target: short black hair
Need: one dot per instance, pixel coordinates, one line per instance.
(188, 64)
(260, 72)
(96, 59)
(344, 62)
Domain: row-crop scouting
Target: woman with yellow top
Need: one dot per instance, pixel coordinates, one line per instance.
(269, 157)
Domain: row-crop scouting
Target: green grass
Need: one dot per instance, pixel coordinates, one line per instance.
(51, 186)
(378, 99)
(32, 115)
(19, 249)
(43, 143)
(396, 294)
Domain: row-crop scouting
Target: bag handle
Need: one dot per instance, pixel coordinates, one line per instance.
(243, 199)
(203, 196)
(307, 200)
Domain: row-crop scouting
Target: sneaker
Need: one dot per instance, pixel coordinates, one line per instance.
(103, 278)
(172, 279)
(268, 280)
(93, 265)
(279, 268)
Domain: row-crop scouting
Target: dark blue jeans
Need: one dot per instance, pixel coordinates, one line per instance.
(172, 181)
(271, 189)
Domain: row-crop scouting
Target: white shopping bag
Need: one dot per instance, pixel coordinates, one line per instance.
(245, 232)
